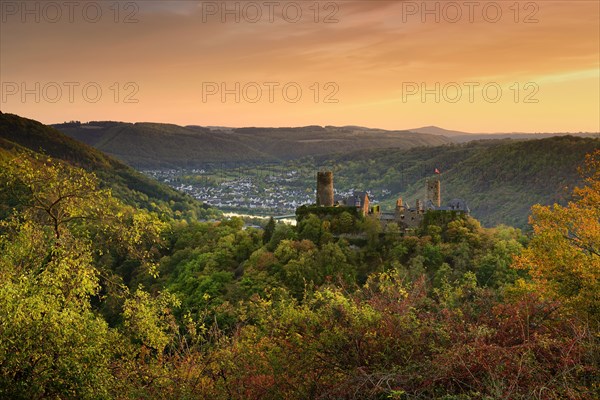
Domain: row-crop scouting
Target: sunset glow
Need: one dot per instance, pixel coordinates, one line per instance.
(499, 66)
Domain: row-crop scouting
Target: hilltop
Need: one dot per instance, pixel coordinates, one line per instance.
(436, 130)
(462, 137)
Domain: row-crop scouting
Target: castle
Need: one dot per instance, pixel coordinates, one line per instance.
(405, 216)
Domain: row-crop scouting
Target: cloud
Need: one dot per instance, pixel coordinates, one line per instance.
(369, 48)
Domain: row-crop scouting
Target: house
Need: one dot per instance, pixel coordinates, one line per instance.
(359, 200)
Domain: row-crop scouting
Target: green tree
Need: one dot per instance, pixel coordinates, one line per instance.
(52, 193)
(346, 222)
(282, 232)
(269, 229)
(149, 319)
(310, 228)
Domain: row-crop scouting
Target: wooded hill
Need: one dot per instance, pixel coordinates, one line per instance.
(151, 145)
(21, 134)
(103, 300)
(499, 179)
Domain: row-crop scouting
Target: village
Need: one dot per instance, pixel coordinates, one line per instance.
(277, 193)
(283, 192)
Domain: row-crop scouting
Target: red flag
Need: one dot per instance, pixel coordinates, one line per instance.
(437, 171)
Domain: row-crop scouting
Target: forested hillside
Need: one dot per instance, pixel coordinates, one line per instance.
(102, 300)
(18, 134)
(151, 145)
(499, 179)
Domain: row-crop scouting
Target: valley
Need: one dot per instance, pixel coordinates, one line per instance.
(524, 173)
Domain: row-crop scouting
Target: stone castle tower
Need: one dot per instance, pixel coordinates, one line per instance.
(434, 192)
(325, 189)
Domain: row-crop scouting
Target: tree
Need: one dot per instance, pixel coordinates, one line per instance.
(150, 320)
(563, 257)
(52, 193)
(346, 222)
(281, 232)
(269, 229)
(310, 228)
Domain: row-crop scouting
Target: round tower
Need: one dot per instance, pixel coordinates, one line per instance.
(325, 189)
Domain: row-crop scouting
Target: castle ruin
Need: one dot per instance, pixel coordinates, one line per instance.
(406, 217)
(411, 218)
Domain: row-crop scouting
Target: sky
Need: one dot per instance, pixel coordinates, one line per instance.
(474, 66)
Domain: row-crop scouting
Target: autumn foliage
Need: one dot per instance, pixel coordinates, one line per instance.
(564, 256)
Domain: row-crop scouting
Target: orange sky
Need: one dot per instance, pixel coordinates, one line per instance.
(372, 59)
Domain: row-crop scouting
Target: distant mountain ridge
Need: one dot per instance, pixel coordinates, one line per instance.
(153, 145)
(462, 137)
(160, 145)
(435, 130)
